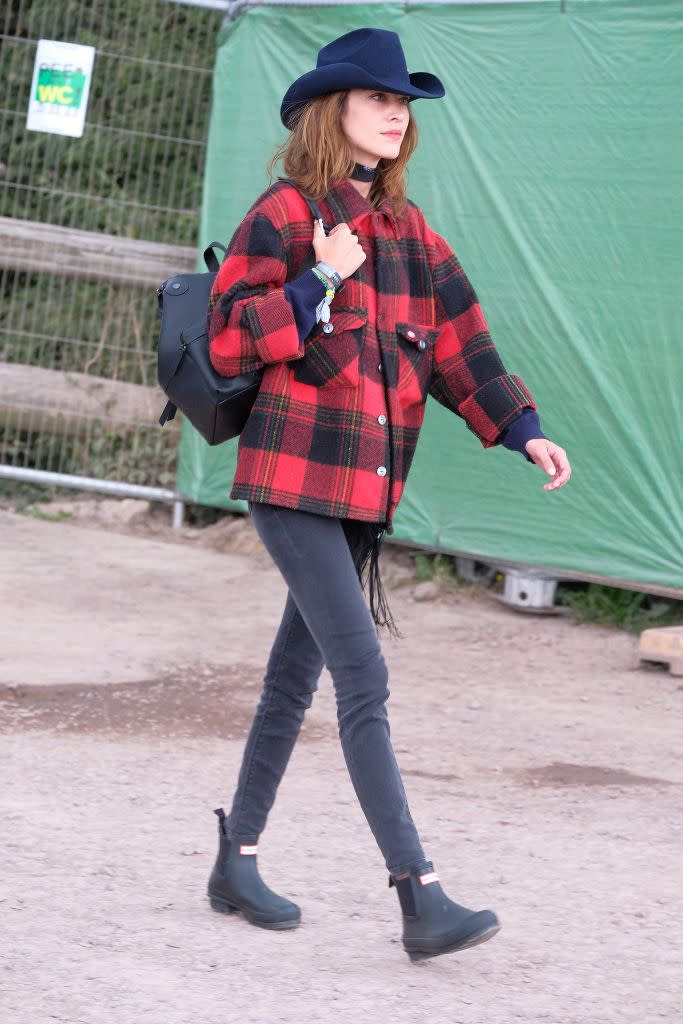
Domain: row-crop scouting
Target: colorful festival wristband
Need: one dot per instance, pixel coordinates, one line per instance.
(327, 281)
(333, 275)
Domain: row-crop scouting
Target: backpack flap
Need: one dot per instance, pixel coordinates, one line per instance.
(196, 341)
(215, 405)
(184, 301)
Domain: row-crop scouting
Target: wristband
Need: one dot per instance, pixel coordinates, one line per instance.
(322, 310)
(324, 278)
(334, 277)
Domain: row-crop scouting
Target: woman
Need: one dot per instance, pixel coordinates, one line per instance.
(353, 330)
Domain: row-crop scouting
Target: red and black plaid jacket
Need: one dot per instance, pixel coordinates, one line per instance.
(336, 421)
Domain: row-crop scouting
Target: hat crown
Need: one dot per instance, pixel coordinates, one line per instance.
(371, 48)
(365, 58)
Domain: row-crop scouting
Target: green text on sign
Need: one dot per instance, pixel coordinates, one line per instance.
(64, 88)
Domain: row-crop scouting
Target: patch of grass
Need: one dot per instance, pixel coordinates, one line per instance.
(20, 494)
(203, 515)
(37, 513)
(438, 567)
(631, 610)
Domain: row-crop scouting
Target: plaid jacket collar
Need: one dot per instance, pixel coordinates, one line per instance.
(348, 205)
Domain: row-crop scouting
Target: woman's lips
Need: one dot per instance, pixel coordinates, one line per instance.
(393, 135)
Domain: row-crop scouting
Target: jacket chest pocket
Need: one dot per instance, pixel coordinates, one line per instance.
(333, 351)
(415, 360)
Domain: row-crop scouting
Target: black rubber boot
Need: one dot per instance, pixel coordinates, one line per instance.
(235, 884)
(433, 923)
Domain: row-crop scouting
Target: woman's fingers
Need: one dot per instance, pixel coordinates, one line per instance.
(562, 469)
(552, 459)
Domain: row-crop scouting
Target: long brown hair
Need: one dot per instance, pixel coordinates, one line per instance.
(317, 154)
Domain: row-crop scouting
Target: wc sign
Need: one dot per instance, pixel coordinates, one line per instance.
(60, 87)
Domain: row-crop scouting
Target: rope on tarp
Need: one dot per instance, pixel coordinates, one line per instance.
(233, 8)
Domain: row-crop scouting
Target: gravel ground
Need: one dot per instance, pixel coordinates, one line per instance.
(543, 768)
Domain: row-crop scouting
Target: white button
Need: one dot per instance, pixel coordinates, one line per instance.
(379, 367)
(422, 343)
(411, 334)
(382, 419)
(381, 470)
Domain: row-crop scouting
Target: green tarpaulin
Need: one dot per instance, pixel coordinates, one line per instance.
(553, 168)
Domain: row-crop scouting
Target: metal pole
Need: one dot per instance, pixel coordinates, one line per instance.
(86, 483)
(215, 5)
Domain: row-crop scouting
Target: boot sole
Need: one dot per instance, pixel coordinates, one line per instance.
(224, 907)
(452, 947)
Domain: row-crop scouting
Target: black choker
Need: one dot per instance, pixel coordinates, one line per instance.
(361, 172)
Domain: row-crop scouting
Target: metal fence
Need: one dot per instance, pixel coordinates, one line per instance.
(89, 227)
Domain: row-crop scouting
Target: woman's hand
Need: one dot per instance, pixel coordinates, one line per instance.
(341, 248)
(550, 457)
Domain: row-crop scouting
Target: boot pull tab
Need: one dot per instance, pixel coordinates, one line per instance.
(221, 818)
(392, 880)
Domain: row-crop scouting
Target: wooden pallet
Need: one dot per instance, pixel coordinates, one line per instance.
(663, 645)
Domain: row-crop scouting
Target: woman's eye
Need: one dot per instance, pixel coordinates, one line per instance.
(405, 100)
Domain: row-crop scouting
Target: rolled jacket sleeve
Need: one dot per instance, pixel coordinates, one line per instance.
(250, 321)
(468, 375)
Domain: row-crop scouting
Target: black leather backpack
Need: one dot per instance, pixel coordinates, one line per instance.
(215, 405)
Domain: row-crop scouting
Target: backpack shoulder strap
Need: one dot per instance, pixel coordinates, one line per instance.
(209, 255)
(312, 205)
(315, 210)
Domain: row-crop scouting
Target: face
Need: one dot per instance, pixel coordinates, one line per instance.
(368, 115)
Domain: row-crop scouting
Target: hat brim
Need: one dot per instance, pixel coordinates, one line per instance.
(334, 77)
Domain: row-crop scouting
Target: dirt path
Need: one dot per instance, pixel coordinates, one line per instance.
(544, 772)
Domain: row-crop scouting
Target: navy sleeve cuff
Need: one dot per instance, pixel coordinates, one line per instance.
(303, 294)
(522, 429)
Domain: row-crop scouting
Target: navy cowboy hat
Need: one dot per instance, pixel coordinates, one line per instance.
(366, 58)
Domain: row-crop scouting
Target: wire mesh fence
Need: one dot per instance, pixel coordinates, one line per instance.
(89, 226)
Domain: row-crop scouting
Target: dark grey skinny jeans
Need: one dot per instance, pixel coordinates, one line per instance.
(326, 621)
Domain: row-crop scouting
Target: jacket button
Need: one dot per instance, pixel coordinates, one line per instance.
(328, 327)
(411, 334)
(422, 343)
(382, 419)
(381, 470)
(379, 367)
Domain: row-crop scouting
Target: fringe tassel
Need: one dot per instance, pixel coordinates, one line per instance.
(369, 538)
